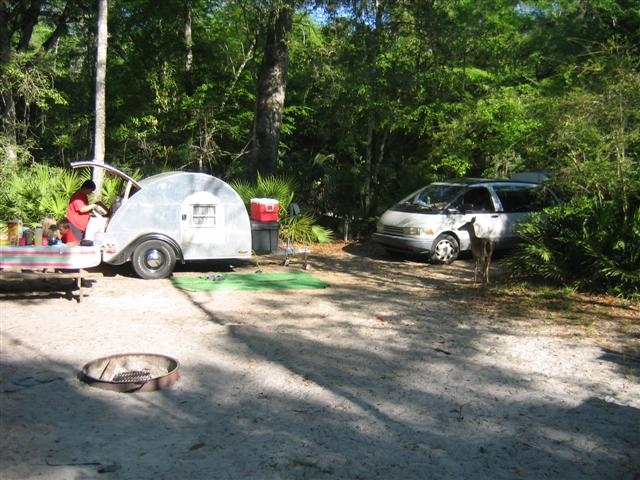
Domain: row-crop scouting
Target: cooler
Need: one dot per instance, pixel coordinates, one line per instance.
(264, 236)
(264, 209)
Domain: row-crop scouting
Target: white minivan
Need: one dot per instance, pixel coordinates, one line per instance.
(428, 220)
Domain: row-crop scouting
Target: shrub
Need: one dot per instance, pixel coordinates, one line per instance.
(590, 246)
(299, 227)
(36, 191)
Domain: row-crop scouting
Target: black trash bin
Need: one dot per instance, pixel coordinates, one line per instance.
(264, 236)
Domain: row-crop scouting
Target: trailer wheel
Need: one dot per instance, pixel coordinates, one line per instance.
(153, 259)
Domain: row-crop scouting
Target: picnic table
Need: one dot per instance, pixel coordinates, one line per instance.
(52, 261)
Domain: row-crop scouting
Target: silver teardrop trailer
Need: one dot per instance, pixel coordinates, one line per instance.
(175, 216)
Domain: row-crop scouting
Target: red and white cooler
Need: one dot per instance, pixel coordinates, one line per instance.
(264, 209)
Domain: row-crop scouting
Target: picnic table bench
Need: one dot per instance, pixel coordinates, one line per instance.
(48, 262)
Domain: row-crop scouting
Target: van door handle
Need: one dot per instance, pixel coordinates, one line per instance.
(495, 216)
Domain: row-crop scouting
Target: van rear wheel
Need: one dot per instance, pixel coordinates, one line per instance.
(153, 259)
(445, 249)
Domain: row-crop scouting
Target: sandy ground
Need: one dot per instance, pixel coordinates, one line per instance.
(397, 370)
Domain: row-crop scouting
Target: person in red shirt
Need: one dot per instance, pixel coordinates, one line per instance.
(66, 235)
(79, 209)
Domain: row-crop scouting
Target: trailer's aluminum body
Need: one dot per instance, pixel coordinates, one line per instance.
(201, 213)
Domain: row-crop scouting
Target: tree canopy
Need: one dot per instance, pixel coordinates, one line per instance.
(360, 101)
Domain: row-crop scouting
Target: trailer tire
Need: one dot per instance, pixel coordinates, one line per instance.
(153, 259)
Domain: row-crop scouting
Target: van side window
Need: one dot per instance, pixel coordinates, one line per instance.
(203, 215)
(523, 198)
(477, 199)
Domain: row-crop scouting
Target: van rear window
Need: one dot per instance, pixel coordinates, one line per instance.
(523, 198)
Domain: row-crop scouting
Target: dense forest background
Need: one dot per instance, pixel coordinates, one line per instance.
(358, 102)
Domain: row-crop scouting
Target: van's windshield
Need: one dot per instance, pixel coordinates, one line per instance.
(435, 197)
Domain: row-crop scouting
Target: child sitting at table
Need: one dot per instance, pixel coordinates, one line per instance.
(66, 234)
(49, 230)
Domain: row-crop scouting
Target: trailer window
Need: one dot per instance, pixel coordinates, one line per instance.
(203, 215)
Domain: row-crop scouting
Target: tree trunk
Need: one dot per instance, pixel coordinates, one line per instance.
(374, 155)
(272, 83)
(188, 45)
(101, 73)
(8, 120)
(28, 23)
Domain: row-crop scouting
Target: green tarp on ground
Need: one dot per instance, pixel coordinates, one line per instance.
(248, 281)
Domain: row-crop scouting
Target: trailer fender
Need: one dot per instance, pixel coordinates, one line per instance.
(154, 256)
(155, 236)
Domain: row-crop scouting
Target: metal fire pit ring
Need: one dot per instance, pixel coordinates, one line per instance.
(131, 372)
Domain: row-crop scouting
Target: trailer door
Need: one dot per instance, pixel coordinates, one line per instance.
(201, 225)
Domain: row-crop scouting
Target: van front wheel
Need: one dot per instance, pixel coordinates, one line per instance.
(153, 259)
(445, 249)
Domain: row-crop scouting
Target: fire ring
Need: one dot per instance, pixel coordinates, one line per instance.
(131, 372)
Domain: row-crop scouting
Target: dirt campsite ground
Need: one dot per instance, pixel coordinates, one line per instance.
(397, 370)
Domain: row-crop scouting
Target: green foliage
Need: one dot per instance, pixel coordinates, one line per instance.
(593, 241)
(299, 227)
(33, 85)
(279, 188)
(584, 245)
(36, 191)
(302, 228)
